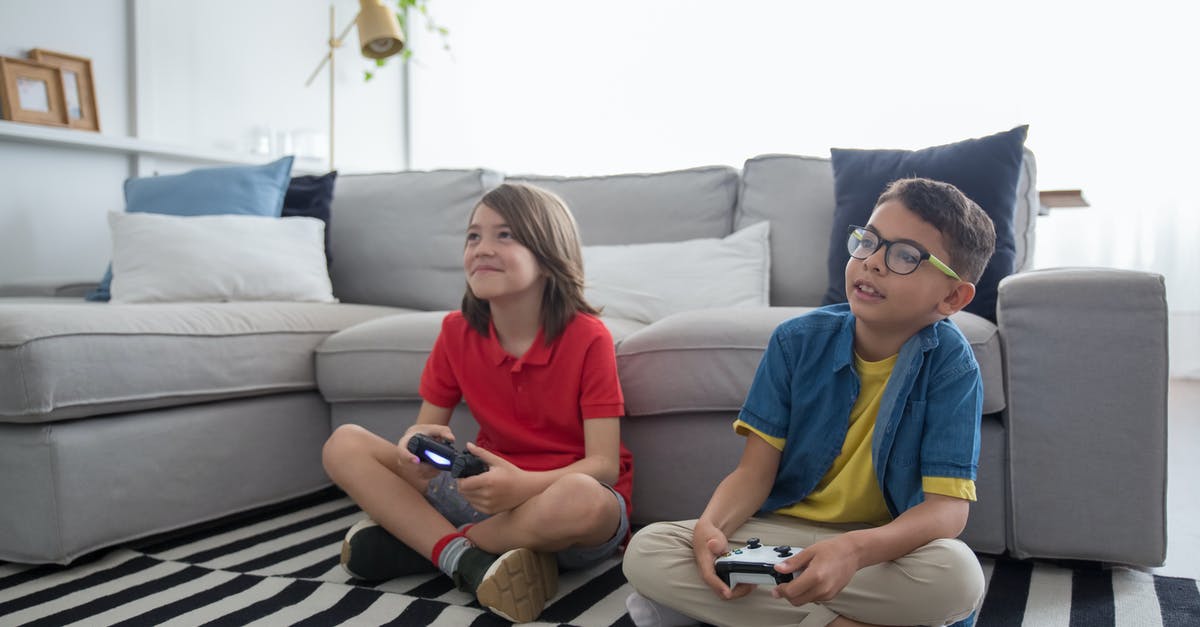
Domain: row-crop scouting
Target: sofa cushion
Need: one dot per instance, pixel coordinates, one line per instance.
(76, 359)
(245, 258)
(645, 208)
(382, 359)
(399, 236)
(794, 194)
(701, 361)
(734, 271)
(986, 169)
(243, 190)
(311, 196)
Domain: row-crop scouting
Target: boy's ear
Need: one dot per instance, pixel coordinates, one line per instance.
(957, 298)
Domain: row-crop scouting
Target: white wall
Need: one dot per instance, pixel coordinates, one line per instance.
(205, 75)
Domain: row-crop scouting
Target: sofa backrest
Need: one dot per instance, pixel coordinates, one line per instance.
(397, 237)
(646, 208)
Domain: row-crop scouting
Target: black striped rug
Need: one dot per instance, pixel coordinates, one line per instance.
(279, 566)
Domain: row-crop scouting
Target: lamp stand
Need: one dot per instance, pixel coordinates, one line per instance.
(335, 42)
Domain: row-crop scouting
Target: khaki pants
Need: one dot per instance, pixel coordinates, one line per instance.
(937, 584)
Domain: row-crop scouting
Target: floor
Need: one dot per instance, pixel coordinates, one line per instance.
(1183, 480)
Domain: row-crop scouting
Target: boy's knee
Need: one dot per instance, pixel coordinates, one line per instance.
(963, 582)
(342, 443)
(648, 550)
(581, 502)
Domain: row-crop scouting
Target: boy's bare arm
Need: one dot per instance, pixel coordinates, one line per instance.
(823, 569)
(735, 500)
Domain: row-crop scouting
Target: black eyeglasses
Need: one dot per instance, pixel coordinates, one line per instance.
(900, 257)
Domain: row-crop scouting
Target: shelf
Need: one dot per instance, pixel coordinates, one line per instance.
(87, 140)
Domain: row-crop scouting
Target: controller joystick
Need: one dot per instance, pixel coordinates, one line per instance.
(467, 464)
(754, 564)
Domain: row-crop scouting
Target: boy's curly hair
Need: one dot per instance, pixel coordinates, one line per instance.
(968, 232)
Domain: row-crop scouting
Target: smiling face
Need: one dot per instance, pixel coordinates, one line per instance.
(498, 267)
(894, 304)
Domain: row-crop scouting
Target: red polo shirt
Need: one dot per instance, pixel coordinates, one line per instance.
(531, 409)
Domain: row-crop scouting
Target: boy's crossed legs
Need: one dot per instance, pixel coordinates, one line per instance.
(937, 584)
(576, 517)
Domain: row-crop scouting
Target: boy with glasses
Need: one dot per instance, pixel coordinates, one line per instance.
(862, 440)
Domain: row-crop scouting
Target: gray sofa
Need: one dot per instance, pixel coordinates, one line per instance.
(121, 421)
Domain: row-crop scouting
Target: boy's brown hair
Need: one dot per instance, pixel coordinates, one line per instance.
(541, 222)
(967, 231)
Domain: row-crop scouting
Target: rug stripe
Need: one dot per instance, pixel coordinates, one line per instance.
(1180, 601)
(1007, 595)
(288, 552)
(1092, 598)
(324, 597)
(292, 593)
(572, 605)
(71, 586)
(261, 588)
(318, 569)
(354, 602)
(1135, 601)
(226, 585)
(196, 533)
(603, 611)
(1049, 591)
(419, 612)
(121, 597)
(270, 533)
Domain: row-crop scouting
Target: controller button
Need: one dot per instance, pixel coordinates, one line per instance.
(752, 543)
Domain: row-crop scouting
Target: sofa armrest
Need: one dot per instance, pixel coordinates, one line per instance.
(1085, 361)
(48, 288)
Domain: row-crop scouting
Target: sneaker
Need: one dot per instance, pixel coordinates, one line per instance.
(515, 585)
(370, 553)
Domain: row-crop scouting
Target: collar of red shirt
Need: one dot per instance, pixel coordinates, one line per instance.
(537, 355)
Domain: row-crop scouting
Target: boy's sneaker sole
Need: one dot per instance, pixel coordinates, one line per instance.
(370, 553)
(518, 584)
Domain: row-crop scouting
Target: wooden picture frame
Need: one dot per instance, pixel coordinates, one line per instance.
(79, 89)
(31, 92)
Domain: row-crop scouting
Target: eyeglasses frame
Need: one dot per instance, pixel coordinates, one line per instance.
(853, 231)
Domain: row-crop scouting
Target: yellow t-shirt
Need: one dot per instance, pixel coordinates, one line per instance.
(849, 491)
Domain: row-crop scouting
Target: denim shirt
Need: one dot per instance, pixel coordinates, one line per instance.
(929, 417)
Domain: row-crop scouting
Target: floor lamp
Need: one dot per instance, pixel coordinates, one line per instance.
(379, 37)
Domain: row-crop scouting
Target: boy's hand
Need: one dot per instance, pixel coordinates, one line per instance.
(425, 472)
(503, 487)
(709, 543)
(821, 571)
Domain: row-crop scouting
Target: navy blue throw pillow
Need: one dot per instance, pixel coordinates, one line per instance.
(985, 169)
(312, 196)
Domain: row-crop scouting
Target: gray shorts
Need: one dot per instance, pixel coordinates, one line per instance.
(443, 495)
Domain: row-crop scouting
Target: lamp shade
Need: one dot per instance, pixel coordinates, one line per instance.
(378, 32)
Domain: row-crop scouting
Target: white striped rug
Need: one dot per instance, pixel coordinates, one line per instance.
(279, 566)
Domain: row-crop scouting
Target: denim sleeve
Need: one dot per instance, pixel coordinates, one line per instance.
(950, 444)
(768, 404)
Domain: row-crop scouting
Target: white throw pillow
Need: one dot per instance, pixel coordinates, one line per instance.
(164, 258)
(648, 282)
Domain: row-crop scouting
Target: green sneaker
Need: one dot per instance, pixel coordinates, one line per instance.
(515, 585)
(370, 553)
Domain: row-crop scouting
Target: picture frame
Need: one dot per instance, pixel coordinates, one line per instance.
(31, 92)
(79, 88)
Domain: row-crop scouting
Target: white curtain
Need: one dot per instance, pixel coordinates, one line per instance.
(1109, 92)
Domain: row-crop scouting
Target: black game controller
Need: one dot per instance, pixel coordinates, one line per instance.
(443, 456)
(754, 564)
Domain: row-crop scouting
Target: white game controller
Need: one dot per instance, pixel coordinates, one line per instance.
(754, 564)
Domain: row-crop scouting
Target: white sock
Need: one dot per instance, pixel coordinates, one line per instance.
(646, 613)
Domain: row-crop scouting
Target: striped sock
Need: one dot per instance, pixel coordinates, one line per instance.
(448, 550)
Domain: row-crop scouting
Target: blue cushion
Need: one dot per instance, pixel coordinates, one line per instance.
(248, 190)
(985, 169)
(312, 196)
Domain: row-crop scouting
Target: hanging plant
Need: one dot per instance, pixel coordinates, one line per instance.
(404, 9)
